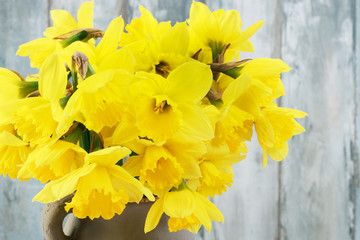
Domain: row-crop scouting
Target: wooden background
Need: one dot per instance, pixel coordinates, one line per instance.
(314, 193)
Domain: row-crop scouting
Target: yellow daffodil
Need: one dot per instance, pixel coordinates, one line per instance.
(234, 130)
(160, 170)
(268, 72)
(14, 153)
(53, 161)
(216, 170)
(234, 125)
(156, 46)
(186, 209)
(99, 101)
(24, 113)
(8, 128)
(213, 31)
(106, 54)
(140, 28)
(162, 54)
(164, 106)
(102, 187)
(64, 22)
(274, 130)
(164, 167)
(40, 49)
(13, 86)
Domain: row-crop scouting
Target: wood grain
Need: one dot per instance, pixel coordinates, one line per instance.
(318, 177)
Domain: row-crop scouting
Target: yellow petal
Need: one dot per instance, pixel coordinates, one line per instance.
(242, 42)
(133, 165)
(236, 88)
(52, 79)
(265, 158)
(125, 132)
(187, 154)
(195, 123)
(179, 204)
(119, 59)
(265, 132)
(62, 187)
(172, 43)
(110, 42)
(122, 180)
(278, 154)
(154, 215)
(202, 20)
(154, 121)
(108, 156)
(211, 209)
(190, 82)
(9, 139)
(229, 24)
(265, 67)
(140, 28)
(38, 50)
(63, 23)
(85, 15)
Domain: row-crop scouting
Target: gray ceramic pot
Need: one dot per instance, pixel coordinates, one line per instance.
(129, 225)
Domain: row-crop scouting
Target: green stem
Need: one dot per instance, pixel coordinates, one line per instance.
(217, 103)
(77, 37)
(216, 49)
(120, 162)
(25, 88)
(182, 185)
(234, 72)
(74, 79)
(63, 101)
(96, 143)
(75, 135)
(85, 140)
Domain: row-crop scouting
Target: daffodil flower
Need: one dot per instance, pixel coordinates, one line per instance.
(162, 167)
(99, 101)
(106, 54)
(140, 28)
(272, 134)
(102, 187)
(52, 162)
(40, 49)
(165, 106)
(158, 53)
(24, 113)
(187, 210)
(216, 170)
(14, 153)
(13, 86)
(213, 31)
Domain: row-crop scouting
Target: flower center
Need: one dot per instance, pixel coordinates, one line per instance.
(163, 106)
(163, 69)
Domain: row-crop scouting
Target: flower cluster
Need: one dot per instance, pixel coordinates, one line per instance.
(153, 109)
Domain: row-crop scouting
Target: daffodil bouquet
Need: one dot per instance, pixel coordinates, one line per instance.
(153, 111)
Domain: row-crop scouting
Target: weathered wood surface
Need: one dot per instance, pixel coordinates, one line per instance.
(318, 181)
(315, 193)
